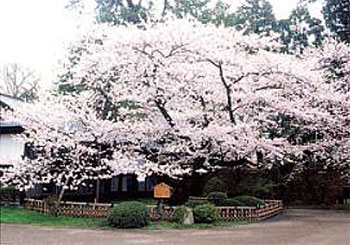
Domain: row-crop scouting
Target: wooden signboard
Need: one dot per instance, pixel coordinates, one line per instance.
(162, 190)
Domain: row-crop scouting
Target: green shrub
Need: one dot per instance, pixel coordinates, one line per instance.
(205, 213)
(345, 206)
(250, 201)
(231, 202)
(7, 193)
(217, 197)
(214, 185)
(262, 187)
(180, 214)
(52, 204)
(7, 188)
(192, 204)
(128, 215)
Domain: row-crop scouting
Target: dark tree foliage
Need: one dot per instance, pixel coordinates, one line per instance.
(255, 16)
(131, 11)
(119, 11)
(337, 17)
(300, 30)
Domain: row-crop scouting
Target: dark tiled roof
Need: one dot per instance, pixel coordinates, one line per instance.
(10, 128)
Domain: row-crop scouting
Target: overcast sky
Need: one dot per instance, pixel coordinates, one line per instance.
(33, 32)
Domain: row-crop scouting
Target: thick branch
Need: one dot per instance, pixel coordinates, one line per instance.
(228, 94)
(164, 112)
(227, 88)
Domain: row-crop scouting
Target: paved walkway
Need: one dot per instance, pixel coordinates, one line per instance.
(297, 227)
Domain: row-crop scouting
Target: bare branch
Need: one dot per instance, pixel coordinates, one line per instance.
(18, 81)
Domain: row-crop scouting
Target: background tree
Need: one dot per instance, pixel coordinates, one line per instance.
(119, 11)
(19, 81)
(255, 16)
(195, 8)
(300, 30)
(122, 11)
(220, 14)
(337, 16)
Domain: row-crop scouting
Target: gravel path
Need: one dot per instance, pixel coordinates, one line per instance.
(297, 227)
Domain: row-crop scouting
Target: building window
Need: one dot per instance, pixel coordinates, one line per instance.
(115, 183)
(125, 183)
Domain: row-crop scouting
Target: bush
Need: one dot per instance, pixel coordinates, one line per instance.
(7, 193)
(231, 202)
(52, 204)
(180, 214)
(193, 204)
(205, 213)
(217, 197)
(128, 215)
(7, 188)
(214, 185)
(250, 201)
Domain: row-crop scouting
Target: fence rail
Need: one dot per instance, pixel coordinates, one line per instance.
(99, 210)
(271, 208)
(197, 199)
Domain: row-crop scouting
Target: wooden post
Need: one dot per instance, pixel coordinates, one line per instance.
(97, 198)
(161, 192)
(97, 191)
(160, 208)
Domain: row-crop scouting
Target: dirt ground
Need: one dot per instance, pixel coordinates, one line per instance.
(297, 227)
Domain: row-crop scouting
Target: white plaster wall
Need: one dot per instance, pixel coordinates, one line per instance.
(10, 101)
(10, 149)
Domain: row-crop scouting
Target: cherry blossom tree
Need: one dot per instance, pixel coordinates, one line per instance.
(180, 97)
(212, 96)
(66, 137)
(72, 145)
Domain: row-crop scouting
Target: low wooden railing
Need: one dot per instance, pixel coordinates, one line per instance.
(167, 213)
(72, 209)
(99, 210)
(271, 208)
(197, 199)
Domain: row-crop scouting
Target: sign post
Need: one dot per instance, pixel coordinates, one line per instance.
(162, 192)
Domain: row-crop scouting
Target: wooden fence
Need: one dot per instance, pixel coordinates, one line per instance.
(167, 213)
(99, 210)
(72, 209)
(197, 199)
(271, 208)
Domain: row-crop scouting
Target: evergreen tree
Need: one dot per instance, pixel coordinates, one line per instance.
(221, 14)
(337, 16)
(255, 16)
(119, 11)
(300, 30)
(195, 8)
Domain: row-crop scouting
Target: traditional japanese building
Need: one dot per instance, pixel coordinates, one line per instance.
(10, 149)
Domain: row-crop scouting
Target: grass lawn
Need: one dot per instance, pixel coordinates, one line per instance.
(165, 224)
(146, 200)
(19, 215)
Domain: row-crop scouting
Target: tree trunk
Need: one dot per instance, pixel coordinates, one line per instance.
(59, 199)
(97, 198)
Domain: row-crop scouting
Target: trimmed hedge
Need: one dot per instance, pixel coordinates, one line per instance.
(128, 215)
(205, 213)
(249, 201)
(214, 184)
(231, 202)
(192, 204)
(217, 197)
